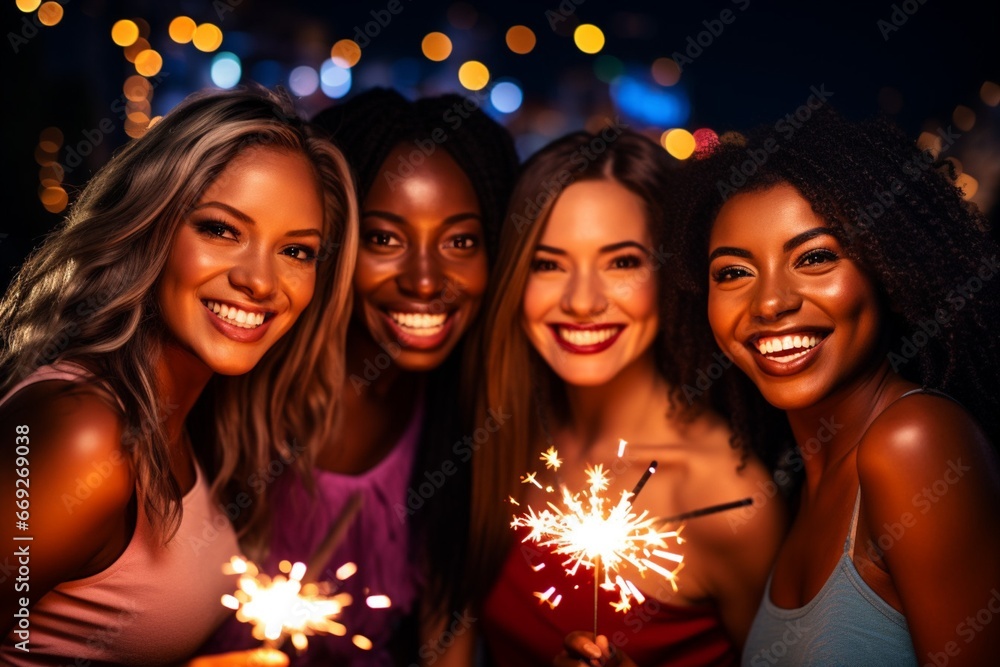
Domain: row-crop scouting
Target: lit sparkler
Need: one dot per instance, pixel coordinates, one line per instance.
(594, 533)
(295, 606)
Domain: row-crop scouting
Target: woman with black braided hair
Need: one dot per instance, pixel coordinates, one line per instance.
(433, 181)
(847, 278)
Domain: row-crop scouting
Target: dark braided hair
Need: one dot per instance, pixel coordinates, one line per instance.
(367, 129)
(895, 210)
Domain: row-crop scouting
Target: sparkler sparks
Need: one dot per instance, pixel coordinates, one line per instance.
(284, 607)
(593, 533)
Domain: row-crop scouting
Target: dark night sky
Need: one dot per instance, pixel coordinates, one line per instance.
(760, 67)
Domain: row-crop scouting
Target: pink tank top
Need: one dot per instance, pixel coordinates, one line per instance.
(153, 606)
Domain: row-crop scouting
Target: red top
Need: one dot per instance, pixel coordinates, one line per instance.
(521, 631)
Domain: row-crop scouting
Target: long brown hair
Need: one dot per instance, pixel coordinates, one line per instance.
(87, 295)
(518, 382)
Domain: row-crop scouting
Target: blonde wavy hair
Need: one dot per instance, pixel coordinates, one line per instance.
(88, 295)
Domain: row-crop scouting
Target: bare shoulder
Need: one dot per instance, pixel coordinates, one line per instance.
(923, 436)
(69, 423)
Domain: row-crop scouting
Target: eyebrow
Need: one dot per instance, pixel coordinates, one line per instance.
(790, 244)
(612, 247)
(246, 219)
(400, 220)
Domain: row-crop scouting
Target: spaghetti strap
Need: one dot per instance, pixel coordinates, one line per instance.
(927, 390)
(849, 542)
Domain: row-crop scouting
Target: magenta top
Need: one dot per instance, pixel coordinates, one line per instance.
(377, 541)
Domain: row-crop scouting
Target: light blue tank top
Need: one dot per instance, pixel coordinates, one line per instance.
(847, 623)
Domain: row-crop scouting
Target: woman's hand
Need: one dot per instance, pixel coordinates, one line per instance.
(258, 657)
(582, 648)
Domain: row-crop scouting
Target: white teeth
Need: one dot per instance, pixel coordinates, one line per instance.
(419, 324)
(774, 344)
(235, 316)
(587, 336)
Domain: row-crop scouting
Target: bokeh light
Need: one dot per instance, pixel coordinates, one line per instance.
(666, 71)
(436, 46)
(362, 642)
(54, 199)
(303, 81)
(964, 118)
(207, 37)
(28, 6)
(124, 33)
(968, 185)
(705, 140)
(182, 29)
(588, 38)
(226, 69)
(608, 68)
(520, 39)
(346, 53)
(679, 142)
(137, 88)
(148, 62)
(135, 48)
(473, 75)
(334, 80)
(989, 93)
(649, 103)
(50, 139)
(506, 97)
(462, 15)
(50, 13)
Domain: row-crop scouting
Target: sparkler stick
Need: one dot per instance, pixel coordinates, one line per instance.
(324, 552)
(704, 511)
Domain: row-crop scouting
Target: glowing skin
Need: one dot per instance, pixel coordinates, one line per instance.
(243, 262)
(422, 265)
(779, 278)
(590, 304)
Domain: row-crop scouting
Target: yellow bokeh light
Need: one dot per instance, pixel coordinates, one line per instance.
(588, 38)
(124, 33)
(153, 121)
(473, 75)
(989, 92)
(135, 130)
(679, 142)
(50, 13)
(345, 53)
(666, 71)
(28, 6)
(207, 37)
(148, 63)
(362, 642)
(436, 46)
(182, 29)
(968, 185)
(520, 39)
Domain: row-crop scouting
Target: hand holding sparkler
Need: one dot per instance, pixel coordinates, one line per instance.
(582, 647)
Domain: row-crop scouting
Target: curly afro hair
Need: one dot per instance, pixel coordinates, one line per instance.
(898, 214)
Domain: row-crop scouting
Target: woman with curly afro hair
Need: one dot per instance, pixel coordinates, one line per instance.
(845, 276)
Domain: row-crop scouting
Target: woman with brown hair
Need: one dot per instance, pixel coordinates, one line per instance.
(576, 346)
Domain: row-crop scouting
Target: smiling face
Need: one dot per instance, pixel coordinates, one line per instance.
(242, 266)
(785, 302)
(422, 266)
(590, 303)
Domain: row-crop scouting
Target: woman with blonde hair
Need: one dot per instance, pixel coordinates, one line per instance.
(214, 252)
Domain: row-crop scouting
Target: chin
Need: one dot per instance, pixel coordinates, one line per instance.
(578, 377)
(415, 361)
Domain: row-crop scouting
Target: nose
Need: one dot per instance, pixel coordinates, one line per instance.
(422, 275)
(773, 297)
(255, 274)
(584, 295)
